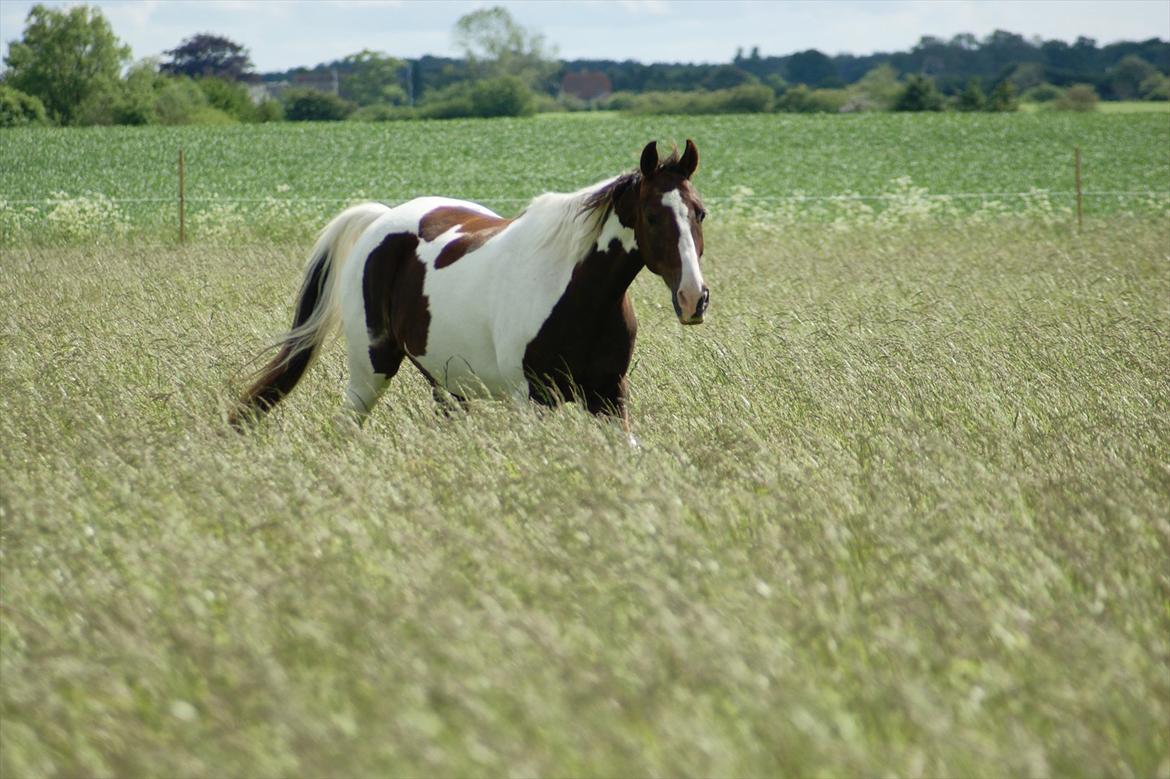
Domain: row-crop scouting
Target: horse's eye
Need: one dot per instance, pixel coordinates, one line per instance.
(701, 214)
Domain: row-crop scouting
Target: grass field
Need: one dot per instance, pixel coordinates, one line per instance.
(282, 180)
(900, 508)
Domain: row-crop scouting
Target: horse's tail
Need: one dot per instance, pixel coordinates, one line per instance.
(316, 317)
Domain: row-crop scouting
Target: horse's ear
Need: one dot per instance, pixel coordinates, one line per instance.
(650, 159)
(690, 159)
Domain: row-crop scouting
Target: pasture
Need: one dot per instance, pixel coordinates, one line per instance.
(900, 505)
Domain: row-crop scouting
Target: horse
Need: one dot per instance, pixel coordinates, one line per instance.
(533, 308)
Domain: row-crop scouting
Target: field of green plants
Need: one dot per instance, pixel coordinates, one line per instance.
(277, 178)
(900, 505)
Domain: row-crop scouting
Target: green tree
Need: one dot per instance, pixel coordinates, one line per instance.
(1078, 97)
(876, 90)
(1003, 98)
(918, 94)
(312, 105)
(972, 97)
(179, 101)
(1155, 87)
(65, 57)
(231, 97)
(496, 45)
(20, 110)
(371, 78)
(503, 96)
(129, 101)
(814, 68)
(1126, 77)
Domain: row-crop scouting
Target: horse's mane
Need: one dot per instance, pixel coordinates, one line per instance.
(575, 219)
(569, 223)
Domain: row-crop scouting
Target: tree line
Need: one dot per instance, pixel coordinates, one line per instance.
(69, 68)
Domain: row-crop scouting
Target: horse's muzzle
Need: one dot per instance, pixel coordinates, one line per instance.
(700, 309)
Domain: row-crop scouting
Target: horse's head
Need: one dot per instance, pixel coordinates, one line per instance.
(669, 228)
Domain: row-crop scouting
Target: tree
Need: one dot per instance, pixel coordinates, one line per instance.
(371, 78)
(1003, 98)
(972, 97)
(726, 77)
(877, 89)
(812, 68)
(1078, 97)
(1156, 87)
(65, 57)
(209, 55)
(503, 96)
(919, 94)
(312, 105)
(20, 110)
(495, 45)
(1126, 77)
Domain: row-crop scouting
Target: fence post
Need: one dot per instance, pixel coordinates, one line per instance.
(1080, 195)
(182, 198)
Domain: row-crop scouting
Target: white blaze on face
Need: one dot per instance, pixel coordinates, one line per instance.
(690, 285)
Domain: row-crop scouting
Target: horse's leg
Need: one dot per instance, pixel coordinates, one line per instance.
(608, 399)
(370, 369)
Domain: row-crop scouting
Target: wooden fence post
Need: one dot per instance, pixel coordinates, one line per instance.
(182, 198)
(1080, 194)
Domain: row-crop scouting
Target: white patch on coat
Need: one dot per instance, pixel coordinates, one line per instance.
(613, 228)
(486, 307)
(691, 282)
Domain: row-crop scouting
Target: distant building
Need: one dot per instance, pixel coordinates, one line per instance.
(590, 86)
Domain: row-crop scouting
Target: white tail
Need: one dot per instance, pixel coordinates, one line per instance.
(316, 314)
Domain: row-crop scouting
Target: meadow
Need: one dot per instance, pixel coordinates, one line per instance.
(900, 504)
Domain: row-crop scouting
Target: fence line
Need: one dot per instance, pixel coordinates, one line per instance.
(715, 198)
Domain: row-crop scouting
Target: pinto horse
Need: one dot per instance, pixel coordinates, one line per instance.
(534, 307)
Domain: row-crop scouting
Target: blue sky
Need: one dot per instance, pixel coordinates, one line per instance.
(285, 33)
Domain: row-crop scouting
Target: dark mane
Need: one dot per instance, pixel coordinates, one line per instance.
(605, 197)
(602, 201)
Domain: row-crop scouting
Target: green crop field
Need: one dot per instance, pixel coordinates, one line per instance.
(900, 505)
(284, 179)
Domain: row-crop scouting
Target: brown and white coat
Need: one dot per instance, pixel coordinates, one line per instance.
(531, 307)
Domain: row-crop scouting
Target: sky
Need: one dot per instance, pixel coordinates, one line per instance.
(282, 34)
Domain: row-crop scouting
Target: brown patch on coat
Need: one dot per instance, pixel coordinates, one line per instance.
(398, 316)
(475, 229)
(583, 349)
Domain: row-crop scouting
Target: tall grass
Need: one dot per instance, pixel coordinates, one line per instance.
(900, 508)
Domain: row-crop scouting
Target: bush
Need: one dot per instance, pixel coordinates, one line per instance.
(312, 105)
(20, 110)
(449, 102)
(230, 97)
(919, 94)
(1078, 97)
(972, 97)
(178, 101)
(620, 101)
(802, 100)
(745, 99)
(269, 111)
(504, 96)
(1003, 98)
(1043, 93)
(1156, 87)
